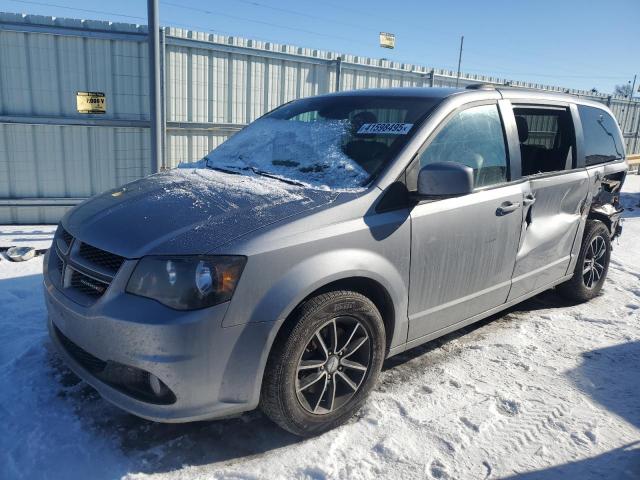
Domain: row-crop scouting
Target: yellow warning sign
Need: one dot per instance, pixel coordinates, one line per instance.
(387, 40)
(91, 102)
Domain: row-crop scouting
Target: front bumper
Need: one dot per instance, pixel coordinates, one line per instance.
(214, 371)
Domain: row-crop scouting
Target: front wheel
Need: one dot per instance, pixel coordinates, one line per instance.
(324, 366)
(592, 265)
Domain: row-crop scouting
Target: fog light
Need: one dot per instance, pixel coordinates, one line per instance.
(158, 388)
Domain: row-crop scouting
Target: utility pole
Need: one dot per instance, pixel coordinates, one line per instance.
(459, 60)
(633, 86)
(155, 106)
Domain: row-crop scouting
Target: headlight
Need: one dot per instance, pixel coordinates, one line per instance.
(187, 283)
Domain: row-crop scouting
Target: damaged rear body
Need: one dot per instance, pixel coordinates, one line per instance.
(605, 204)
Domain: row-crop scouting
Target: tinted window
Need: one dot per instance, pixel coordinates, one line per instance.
(602, 142)
(546, 139)
(474, 138)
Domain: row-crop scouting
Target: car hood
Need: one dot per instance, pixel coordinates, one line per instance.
(186, 211)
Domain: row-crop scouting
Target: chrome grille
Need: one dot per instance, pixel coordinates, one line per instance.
(100, 258)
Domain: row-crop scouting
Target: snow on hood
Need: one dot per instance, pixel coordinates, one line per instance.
(307, 152)
(202, 184)
(186, 211)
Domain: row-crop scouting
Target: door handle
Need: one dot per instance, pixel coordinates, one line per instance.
(507, 207)
(529, 200)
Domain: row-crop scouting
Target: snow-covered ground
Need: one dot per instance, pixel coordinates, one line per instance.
(547, 390)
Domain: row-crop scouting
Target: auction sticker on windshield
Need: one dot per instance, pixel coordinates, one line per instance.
(386, 128)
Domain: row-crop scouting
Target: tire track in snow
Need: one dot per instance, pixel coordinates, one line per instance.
(523, 434)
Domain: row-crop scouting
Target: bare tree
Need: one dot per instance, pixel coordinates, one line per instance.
(622, 90)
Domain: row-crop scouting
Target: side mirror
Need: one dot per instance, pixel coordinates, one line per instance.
(445, 179)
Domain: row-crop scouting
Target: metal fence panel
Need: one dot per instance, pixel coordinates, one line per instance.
(49, 152)
(53, 162)
(215, 80)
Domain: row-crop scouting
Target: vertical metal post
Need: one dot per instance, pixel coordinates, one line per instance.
(628, 109)
(635, 143)
(163, 96)
(338, 68)
(155, 106)
(432, 77)
(633, 107)
(459, 60)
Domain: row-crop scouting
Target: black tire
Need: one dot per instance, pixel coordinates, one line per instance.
(579, 288)
(287, 400)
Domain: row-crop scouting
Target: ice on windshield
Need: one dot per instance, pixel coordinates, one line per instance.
(306, 152)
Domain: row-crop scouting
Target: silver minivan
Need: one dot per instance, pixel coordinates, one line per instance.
(334, 232)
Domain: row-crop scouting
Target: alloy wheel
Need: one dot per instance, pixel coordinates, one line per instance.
(594, 262)
(333, 365)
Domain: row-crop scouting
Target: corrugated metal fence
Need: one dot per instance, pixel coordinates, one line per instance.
(51, 156)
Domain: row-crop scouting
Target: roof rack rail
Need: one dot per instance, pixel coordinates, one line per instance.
(481, 86)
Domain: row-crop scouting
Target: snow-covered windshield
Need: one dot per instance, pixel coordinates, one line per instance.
(334, 142)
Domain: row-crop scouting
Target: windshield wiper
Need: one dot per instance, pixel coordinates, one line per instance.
(225, 170)
(276, 177)
(230, 169)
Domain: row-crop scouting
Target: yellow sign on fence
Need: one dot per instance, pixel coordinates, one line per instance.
(387, 40)
(91, 102)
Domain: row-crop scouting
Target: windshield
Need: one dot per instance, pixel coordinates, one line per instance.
(337, 142)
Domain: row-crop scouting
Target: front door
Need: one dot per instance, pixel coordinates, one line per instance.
(463, 249)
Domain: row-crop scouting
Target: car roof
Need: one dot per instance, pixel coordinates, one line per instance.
(510, 93)
(411, 92)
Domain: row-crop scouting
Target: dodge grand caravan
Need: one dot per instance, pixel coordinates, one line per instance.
(335, 231)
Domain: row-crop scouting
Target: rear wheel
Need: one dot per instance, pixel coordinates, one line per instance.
(592, 265)
(322, 370)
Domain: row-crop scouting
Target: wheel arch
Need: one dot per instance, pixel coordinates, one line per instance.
(366, 286)
(598, 214)
(364, 271)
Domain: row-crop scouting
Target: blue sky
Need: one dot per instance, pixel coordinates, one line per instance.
(580, 44)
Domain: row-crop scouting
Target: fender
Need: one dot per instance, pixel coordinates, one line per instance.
(301, 281)
(321, 269)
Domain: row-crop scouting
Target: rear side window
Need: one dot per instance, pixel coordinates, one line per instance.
(602, 142)
(546, 138)
(473, 137)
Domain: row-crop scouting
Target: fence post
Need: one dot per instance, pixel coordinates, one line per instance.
(433, 77)
(155, 107)
(163, 96)
(338, 69)
(636, 148)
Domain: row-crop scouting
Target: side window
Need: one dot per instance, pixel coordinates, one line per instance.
(546, 139)
(473, 137)
(602, 142)
(311, 116)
